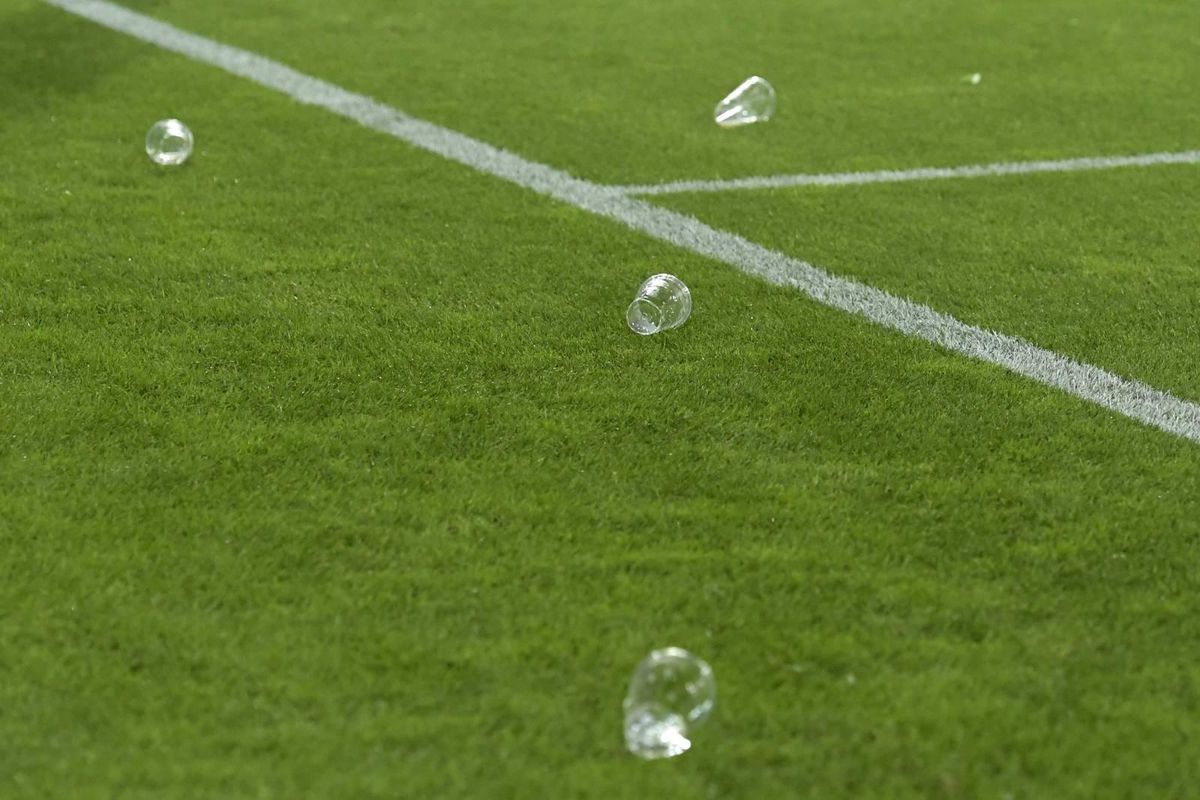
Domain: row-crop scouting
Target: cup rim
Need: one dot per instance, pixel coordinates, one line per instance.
(639, 307)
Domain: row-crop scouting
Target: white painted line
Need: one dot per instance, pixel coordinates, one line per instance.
(1131, 398)
(918, 174)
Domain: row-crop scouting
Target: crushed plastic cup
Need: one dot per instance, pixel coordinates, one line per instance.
(671, 693)
(169, 142)
(752, 101)
(662, 302)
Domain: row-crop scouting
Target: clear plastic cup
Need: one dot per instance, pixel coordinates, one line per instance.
(671, 693)
(662, 302)
(752, 101)
(169, 142)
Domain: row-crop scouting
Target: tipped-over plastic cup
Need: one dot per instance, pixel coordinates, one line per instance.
(662, 302)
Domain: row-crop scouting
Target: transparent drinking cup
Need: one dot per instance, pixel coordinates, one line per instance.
(662, 302)
(671, 693)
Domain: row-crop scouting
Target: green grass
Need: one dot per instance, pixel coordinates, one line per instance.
(1099, 266)
(623, 91)
(327, 468)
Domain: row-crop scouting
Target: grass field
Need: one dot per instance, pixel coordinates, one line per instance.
(328, 467)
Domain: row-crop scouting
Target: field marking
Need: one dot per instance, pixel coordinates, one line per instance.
(917, 174)
(1131, 398)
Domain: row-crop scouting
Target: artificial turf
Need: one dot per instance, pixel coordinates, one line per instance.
(328, 469)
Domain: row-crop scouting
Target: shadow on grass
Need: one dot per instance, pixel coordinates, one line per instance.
(47, 53)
